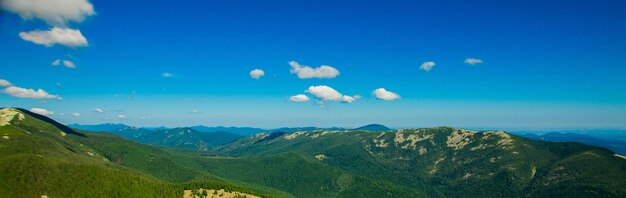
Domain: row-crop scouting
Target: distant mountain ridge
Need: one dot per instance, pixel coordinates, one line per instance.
(106, 127)
(373, 127)
(243, 131)
(616, 145)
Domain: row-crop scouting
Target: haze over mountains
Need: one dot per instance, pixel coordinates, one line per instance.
(42, 157)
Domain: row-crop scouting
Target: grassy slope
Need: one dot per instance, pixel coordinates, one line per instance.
(172, 166)
(38, 158)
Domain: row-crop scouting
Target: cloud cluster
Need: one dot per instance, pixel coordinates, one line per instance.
(66, 63)
(383, 94)
(76, 114)
(61, 36)
(299, 98)
(53, 12)
(305, 72)
(427, 66)
(473, 61)
(324, 92)
(98, 110)
(41, 111)
(256, 74)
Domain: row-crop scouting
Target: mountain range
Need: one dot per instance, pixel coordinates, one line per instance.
(614, 144)
(39, 156)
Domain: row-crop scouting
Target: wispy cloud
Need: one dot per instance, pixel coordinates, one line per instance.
(305, 72)
(427, 66)
(66, 63)
(473, 61)
(167, 75)
(41, 111)
(69, 64)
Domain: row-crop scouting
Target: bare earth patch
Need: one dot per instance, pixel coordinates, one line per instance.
(320, 157)
(8, 114)
(293, 135)
(216, 193)
(459, 138)
(412, 139)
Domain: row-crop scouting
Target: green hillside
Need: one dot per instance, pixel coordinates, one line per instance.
(454, 162)
(39, 156)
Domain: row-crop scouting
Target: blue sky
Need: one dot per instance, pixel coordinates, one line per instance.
(546, 64)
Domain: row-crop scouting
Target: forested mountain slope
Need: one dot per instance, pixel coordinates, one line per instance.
(455, 162)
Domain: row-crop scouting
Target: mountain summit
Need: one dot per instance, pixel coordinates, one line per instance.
(373, 127)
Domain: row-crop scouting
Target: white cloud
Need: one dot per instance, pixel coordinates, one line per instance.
(69, 64)
(167, 75)
(62, 36)
(41, 111)
(348, 99)
(473, 61)
(56, 62)
(324, 92)
(305, 72)
(256, 73)
(61, 114)
(29, 93)
(299, 98)
(76, 114)
(121, 116)
(195, 111)
(383, 94)
(53, 12)
(427, 66)
(4, 83)
(98, 110)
